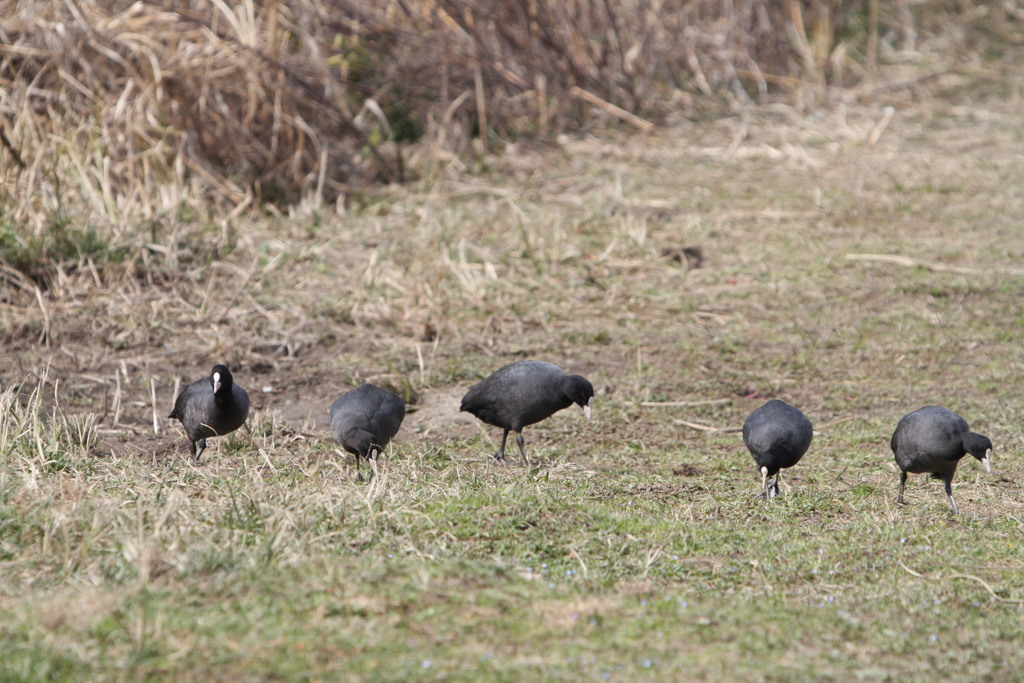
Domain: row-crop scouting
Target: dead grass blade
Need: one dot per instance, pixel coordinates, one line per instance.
(938, 578)
(706, 428)
(908, 262)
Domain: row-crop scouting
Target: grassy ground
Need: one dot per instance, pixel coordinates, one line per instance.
(635, 547)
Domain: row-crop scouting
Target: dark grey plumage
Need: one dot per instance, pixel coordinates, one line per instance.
(211, 406)
(932, 440)
(364, 420)
(524, 393)
(777, 435)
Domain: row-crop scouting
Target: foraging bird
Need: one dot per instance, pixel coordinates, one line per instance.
(777, 435)
(364, 420)
(932, 440)
(523, 393)
(211, 406)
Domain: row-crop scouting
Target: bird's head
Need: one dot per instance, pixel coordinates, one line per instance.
(980, 447)
(361, 442)
(220, 377)
(581, 392)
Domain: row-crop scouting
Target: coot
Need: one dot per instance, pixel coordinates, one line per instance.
(932, 440)
(524, 393)
(364, 420)
(211, 406)
(777, 435)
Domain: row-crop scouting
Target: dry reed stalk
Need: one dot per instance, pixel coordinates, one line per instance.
(153, 404)
(617, 112)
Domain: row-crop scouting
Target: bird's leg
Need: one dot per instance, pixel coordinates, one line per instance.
(775, 484)
(949, 492)
(374, 452)
(903, 484)
(359, 471)
(500, 455)
(522, 448)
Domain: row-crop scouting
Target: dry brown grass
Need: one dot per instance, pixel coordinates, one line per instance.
(127, 117)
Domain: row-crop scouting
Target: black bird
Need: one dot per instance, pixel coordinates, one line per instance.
(777, 435)
(523, 393)
(364, 420)
(932, 440)
(208, 407)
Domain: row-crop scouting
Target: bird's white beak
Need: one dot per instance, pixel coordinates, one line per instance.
(588, 409)
(216, 382)
(987, 461)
